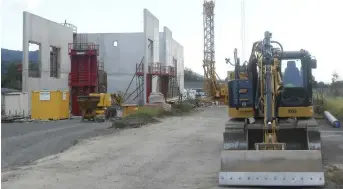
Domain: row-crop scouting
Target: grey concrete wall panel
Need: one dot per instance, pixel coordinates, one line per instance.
(151, 32)
(169, 50)
(119, 61)
(168, 47)
(162, 48)
(46, 33)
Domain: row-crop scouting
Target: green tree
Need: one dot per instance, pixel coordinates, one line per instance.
(322, 85)
(12, 76)
(314, 82)
(189, 75)
(334, 84)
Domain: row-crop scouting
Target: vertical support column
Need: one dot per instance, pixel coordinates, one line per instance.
(25, 58)
(148, 86)
(151, 32)
(146, 55)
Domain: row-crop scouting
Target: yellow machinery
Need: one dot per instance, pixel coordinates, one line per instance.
(105, 101)
(117, 98)
(110, 104)
(215, 90)
(88, 106)
(115, 108)
(271, 138)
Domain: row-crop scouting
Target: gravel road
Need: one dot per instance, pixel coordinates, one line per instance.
(22, 143)
(180, 152)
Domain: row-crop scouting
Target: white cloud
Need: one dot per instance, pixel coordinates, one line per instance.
(32, 5)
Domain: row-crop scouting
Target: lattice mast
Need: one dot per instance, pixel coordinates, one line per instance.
(209, 56)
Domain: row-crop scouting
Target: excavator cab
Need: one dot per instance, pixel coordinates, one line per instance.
(295, 99)
(292, 76)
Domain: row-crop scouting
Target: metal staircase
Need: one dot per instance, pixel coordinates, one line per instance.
(139, 86)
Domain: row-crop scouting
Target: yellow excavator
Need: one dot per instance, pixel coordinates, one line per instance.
(271, 138)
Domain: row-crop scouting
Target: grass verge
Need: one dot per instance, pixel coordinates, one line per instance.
(334, 106)
(145, 115)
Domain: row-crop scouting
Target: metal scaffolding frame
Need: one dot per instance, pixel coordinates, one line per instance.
(209, 53)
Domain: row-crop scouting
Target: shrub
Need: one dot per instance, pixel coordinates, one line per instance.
(147, 112)
(145, 115)
(142, 116)
(183, 107)
(334, 106)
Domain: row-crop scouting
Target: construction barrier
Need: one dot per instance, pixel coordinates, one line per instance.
(50, 105)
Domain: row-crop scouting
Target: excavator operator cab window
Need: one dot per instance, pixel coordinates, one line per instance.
(292, 75)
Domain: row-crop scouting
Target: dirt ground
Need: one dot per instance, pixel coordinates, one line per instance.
(180, 152)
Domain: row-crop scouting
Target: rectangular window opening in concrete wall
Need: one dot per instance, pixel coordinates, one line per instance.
(35, 63)
(115, 43)
(151, 51)
(55, 57)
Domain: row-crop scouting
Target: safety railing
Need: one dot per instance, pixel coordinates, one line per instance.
(83, 48)
(156, 69)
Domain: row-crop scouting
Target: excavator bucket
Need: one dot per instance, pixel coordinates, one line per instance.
(88, 106)
(271, 168)
(298, 163)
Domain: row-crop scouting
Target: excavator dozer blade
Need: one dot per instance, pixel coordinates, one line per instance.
(271, 168)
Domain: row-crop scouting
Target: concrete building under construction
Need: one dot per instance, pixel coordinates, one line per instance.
(127, 58)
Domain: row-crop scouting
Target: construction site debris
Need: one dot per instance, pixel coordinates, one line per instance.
(157, 99)
(9, 119)
(335, 175)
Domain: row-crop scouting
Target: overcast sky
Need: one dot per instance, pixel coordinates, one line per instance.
(315, 25)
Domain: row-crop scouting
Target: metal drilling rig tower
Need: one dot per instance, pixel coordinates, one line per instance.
(209, 60)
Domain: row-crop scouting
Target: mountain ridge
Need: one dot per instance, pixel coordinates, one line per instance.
(16, 56)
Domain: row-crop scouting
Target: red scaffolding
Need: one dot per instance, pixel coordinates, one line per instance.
(83, 76)
(156, 70)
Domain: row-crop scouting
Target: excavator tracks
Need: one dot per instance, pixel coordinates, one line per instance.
(235, 137)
